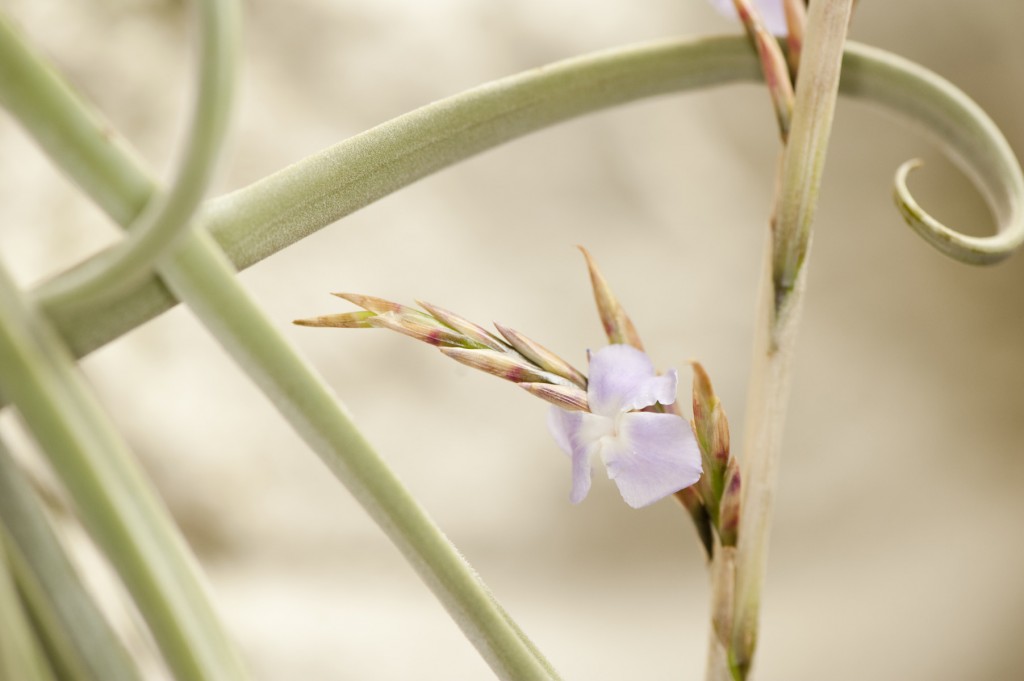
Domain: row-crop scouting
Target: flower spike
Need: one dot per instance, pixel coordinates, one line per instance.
(551, 377)
(624, 415)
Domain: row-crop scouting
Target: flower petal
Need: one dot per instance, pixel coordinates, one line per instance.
(653, 456)
(580, 476)
(565, 426)
(772, 11)
(622, 378)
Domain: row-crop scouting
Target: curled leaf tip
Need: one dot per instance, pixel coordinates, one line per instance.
(972, 250)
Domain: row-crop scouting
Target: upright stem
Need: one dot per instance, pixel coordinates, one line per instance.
(767, 399)
(723, 590)
(783, 281)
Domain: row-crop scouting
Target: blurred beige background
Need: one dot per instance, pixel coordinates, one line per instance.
(897, 551)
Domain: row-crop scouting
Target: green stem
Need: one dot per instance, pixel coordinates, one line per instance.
(66, 614)
(21, 657)
(166, 214)
(116, 503)
(254, 222)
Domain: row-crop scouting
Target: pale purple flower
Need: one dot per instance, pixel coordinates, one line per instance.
(648, 455)
(772, 11)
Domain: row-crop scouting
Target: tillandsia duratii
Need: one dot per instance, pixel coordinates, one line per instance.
(624, 414)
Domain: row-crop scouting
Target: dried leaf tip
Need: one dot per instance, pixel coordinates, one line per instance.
(617, 324)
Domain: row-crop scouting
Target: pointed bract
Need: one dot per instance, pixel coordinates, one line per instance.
(570, 399)
(504, 365)
(617, 324)
(345, 320)
(540, 355)
(421, 327)
(729, 509)
(465, 327)
(796, 20)
(691, 500)
(773, 62)
(709, 420)
(378, 305)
